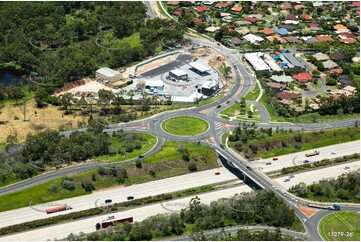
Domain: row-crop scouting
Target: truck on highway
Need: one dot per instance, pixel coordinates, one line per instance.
(316, 152)
(112, 221)
(333, 207)
(58, 209)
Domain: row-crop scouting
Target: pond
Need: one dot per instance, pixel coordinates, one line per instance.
(10, 75)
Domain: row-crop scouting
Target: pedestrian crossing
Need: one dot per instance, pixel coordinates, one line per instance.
(218, 125)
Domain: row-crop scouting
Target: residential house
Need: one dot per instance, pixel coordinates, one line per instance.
(321, 56)
(291, 17)
(324, 38)
(258, 12)
(281, 31)
(282, 78)
(276, 86)
(314, 27)
(347, 38)
(234, 41)
(289, 27)
(212, 29)
(329, 64)
(253, 39)
(242, 23)
(243, 30)
(293, 39)
(173, 3)
(286, 6)
(201, 9)
(337, 71)
(290, 61)
(177, 13)
(299, 6)
(221, 5)
(310, 40)
(197, 21)
(305, 17)
(286, 95)
(276, 37)
(355, 4)
(237, 8)
(345, 80)
(337, 56)
(266, 31)
(297, 108)
(303, 77)
(251, 19)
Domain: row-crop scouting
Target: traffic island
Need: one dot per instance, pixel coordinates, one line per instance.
(185, 126)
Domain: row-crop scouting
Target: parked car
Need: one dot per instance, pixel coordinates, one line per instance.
(275, 158)
(130, 197)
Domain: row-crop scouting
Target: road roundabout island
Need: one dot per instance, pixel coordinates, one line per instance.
(185, 126)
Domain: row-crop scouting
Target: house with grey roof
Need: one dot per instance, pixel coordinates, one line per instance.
(282, 78)
(291, 61)
(321, 56)
(329, 64)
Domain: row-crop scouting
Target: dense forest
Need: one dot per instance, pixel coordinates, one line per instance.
(65, 41)
(346, 188)
(244, 208)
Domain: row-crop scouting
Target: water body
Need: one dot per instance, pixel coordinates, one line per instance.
(10, 75)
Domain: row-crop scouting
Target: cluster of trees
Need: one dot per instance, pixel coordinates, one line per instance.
(10, 92)
(346, 188)
(262, 207)
(341, 105)
(60, 40)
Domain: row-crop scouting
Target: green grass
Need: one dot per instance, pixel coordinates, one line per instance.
(316, 86)
(109, 40)
(165, 163)
(254, 94)
(185, 125)
(231, 112)
(340, 226)
(147, 144)
(308, 118)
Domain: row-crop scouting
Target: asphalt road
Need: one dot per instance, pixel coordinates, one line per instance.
(295, 159)
(87, 225)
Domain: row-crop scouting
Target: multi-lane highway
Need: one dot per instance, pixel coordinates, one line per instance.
(88, 225)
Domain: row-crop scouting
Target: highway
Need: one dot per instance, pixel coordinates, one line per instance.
(118, 194)
(88, 225)
(295, 159)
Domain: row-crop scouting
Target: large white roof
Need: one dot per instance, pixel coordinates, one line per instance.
(154, 83)
(253, 38)
(108, 72)
(199, 67)
(178, 72)
(256, 61)
(271, 63)
(185, 99)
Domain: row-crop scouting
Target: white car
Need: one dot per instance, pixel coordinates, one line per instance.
(304, 220)
(274, 187)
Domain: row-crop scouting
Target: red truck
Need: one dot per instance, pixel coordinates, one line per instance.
(112, 221)
(58, 209)
(312, 154)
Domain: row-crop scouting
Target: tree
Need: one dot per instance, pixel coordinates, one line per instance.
(87, 185)
(41, 97)
(298, 137)
(105, 98)
(68, 184)
(66, 101)
(14, 92)
(192, 167)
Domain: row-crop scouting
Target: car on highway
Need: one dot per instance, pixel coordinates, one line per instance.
(274, 187)
(228, 101)
(304, 220)
(222, 146)
(141, 156)
(130, 198)
(217, 173)
(249, 168)
(108, 200)
(268, 163)
(286, 180)
(347, 167)
(274, 158)
(306, 161)
(284, 193)
(218, 106)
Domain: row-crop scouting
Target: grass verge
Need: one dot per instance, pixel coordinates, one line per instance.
(185, 125)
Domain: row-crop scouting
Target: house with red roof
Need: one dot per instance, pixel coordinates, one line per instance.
(251, 19)
(266, 31)
(177, 13)
(237, 8)
(258, 12)
(354, 4)
(197, 20)
(221, 5)
(173, 3)
(286, 6)
(337, 71)
(306, 17)
(303, 77)
(201, 9)
(291, 17)
(324, 38)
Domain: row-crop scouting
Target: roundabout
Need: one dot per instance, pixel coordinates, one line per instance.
(185, 126)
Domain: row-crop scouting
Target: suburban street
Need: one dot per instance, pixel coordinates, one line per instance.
(87, 225)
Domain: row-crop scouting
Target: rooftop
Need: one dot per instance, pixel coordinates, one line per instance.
(108, 72)
(256, 61)
(286, 95)
(303, 77)
(324, 38)
(282, 78)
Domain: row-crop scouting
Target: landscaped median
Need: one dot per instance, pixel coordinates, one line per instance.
(185, 125)
(340, 226)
